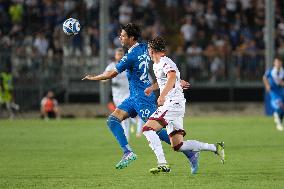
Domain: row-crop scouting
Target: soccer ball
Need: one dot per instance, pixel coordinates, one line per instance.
(71, 26)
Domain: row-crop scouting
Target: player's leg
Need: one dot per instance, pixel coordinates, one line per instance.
(149, 131)
(277, 105)
(178, 144)
(114, 123)
(149, 109)
(277, 120)
(140, 124)
(126, 127)
(118, 99)
(132, 124)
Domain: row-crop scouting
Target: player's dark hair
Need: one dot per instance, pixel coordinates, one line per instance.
(132, 30)
(158, 44)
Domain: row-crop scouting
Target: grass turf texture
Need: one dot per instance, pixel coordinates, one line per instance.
(83, 154)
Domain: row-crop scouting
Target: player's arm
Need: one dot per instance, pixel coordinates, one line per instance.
(152, 88)
(266, 83)
(171, 80)
(104, 76)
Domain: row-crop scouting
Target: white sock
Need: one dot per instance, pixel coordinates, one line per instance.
(277, 118)
(125, 126)
(195, 145)
(156, 145)
(140, 124)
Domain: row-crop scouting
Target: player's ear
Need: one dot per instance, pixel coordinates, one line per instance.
(131, 38)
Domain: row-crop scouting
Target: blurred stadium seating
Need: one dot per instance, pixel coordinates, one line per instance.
(216, 43)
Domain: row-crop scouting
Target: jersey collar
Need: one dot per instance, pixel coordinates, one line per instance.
(131, 48)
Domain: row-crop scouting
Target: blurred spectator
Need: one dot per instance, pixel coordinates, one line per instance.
(16, 12)
(251, 60)
(194, 61)
(41, 44)
(211, 18)
(125, 12)
(188, 31)
(217, 69)
(49, 106)
(180, 59)
(6, 94)
(231, 6)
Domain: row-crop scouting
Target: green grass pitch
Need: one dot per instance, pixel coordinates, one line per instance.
(79, 153)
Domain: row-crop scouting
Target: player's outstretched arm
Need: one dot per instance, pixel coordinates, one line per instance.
(103, 76)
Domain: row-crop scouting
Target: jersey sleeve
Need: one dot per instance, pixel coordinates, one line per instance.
(124, 64)
(169, 66)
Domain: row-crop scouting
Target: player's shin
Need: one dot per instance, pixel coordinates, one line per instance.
(114, 125)
(195, 145)
(126, 127)
(140, 124)
(277, 118)
(155, 144)
(163, 135)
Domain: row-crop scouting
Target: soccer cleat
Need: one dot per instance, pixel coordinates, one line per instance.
(194, 162)
(279, 127)
(160, 168)
(220, 151)
(126, 160)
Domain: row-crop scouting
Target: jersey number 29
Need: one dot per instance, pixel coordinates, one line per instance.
(145, 113)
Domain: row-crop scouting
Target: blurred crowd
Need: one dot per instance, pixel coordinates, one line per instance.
(207, 37)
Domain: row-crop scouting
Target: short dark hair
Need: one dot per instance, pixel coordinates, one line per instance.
(132, 30)
(158, 44)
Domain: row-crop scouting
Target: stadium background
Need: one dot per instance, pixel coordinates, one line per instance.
(223, 54)
(218, 45)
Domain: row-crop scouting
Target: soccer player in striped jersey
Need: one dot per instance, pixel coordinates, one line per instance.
(170, 111)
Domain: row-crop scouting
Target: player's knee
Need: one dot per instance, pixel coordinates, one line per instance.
(177, 147)
(111, 119)
(147, 128)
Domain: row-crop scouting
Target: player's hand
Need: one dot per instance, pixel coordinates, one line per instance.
(161, 100)
(148, 91)
(88, 77)
(184, 84)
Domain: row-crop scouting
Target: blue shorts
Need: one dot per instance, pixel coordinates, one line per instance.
(144, 108)
(277, 100)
